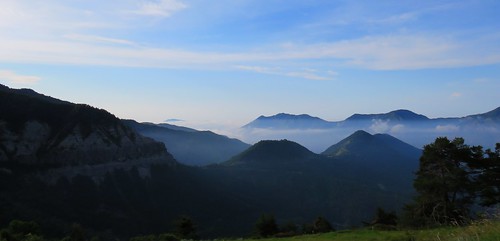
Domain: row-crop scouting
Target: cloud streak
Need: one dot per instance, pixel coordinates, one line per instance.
(14, 78)
(310, 74)
(161, 8)
(376, 52)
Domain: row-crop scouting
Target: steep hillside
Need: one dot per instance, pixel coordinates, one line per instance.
(380, 157)
(189, 146)
(362, 145)
(40, 130)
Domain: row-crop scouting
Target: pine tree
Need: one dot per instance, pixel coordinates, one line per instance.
(445, 188)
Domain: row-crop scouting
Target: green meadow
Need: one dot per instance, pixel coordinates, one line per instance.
(481, 231)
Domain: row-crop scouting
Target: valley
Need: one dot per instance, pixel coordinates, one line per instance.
(63, 163)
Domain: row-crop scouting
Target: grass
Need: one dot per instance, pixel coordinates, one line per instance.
(480, 231)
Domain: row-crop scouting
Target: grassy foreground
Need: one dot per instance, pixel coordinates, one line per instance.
(487, 231)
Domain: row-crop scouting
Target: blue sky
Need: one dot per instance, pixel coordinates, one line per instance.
(223, 63)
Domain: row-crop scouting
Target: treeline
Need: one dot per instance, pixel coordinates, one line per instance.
(23, 106)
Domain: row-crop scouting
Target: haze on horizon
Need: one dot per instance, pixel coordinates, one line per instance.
(219, 65)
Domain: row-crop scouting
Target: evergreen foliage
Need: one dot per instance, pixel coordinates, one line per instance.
(185, 228)
(266, 226)
(451, 176)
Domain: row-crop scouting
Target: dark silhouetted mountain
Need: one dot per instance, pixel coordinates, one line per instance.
(383, 155)
(269, 152)
(397, 115)
(371, 146)
(290, 177)
(288, 121)
(189, 146)
(39, 130)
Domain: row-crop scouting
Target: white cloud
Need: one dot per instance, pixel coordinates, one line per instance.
(397, 128)
(447, 128)
(393, 52)
(14, 78)
(380, 126)
(159, 8)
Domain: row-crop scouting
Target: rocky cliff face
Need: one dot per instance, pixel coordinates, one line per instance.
(36, 144)
(36, 130)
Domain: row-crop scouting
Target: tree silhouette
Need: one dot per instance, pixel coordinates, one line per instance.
(185, 228)
(266, 226)
(321, 225)
(445, 188)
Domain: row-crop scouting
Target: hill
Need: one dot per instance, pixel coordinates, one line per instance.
(39, 130)
(270, 152)
(380, 157)
(189, 146)
(344, 188)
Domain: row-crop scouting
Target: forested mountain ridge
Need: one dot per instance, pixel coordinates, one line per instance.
(190, 146)
(41, 130)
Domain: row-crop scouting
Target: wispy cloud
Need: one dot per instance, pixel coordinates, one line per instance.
(14, 78)
(159, 8)
(447, 128)
(397, 19)
(97, 39)
(311, 74)
(375, 52)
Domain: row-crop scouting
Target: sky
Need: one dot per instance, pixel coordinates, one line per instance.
(220, 64)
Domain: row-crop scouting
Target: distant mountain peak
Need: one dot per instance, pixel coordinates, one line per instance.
(396, 115)
(288, 121)
(360, 134)
(272, 152)
(281, 116)
(493, 114)
(373, 144)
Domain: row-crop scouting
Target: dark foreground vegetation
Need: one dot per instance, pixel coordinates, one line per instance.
(457, 191)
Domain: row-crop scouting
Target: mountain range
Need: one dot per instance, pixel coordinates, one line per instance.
(304, 121)
(63, 163)
(415, 129)
(190, 146)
